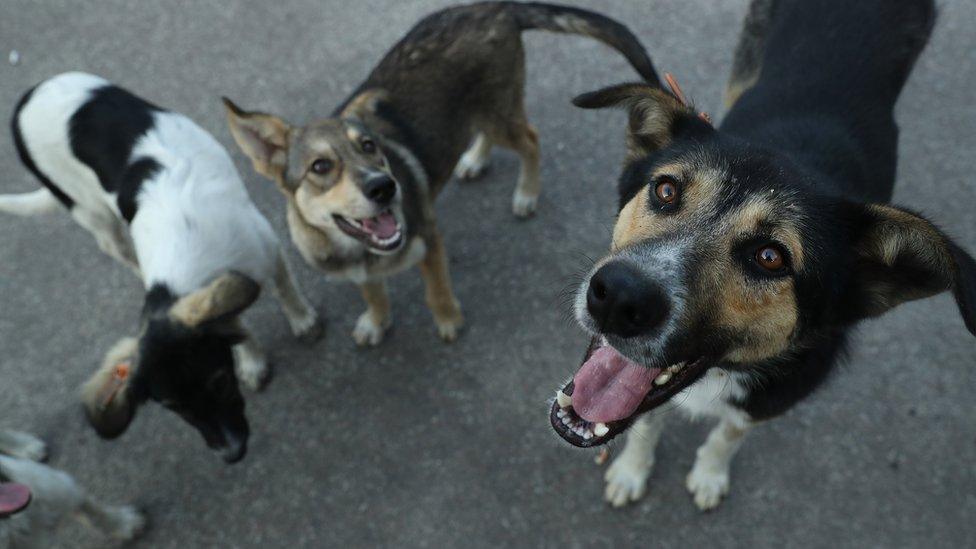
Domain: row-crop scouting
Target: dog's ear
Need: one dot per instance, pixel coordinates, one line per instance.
(901, 256)
(110, 404)
(222, 300)
(262, 137)
(656, 117)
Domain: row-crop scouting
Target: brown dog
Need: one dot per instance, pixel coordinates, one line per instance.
(360, 185)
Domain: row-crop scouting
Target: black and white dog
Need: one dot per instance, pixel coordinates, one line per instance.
(161, 195)
(54, 497)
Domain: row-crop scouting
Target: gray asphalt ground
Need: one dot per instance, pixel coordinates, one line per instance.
(418, 443)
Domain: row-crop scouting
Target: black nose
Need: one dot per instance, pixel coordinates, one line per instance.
(624, 302)
(380, 188)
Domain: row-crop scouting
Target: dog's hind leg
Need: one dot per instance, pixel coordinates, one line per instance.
(22, 445)
(627, 475)
(122, 522)
(747, 61)
(302, 318)
(475, 160)
(372, 324)
(708, 480)
(440, 298)
(110, 233)
(521, 137)
(38, 202)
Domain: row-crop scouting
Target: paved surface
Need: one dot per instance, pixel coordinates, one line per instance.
(418, 443)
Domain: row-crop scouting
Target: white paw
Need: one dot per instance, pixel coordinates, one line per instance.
(308, 328)
(368, 332)
(448, 329)
(524, 205)
(626, 480)
(130, 523)
(26, 446)
(471, 166)
(708, 484)
(252, 370)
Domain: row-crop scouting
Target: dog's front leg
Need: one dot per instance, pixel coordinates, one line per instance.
(302, 318)
(627, 475)
(372, 324)
(440, 298)
(250, 363)
(708, 480)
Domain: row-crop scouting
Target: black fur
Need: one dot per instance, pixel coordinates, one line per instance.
(27, 160)
(190, 371)
(103, 133)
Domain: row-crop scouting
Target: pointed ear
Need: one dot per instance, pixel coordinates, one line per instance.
(901, 256)
(262, 137)
(655, 116)
(222, 300)
(107, 397)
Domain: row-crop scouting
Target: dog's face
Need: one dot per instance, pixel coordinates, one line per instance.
(725, 256)
(336, 173)
(183, 360)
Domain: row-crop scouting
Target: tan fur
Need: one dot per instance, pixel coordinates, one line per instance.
(226, 296)
(377, 302)
(440, 298)
(761, 315)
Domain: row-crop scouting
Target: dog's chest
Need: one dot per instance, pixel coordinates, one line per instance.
(711, 395)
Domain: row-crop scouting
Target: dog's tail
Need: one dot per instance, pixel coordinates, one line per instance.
(554, 18)
(38, 202)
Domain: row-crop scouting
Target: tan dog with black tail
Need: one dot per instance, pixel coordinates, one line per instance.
(360, 185)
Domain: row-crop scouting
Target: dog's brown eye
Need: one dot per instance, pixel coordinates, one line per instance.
(771, 258)
(368, 146)
(322, 166)
(666, 191)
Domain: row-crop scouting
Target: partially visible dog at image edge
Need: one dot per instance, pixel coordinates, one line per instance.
(742, 255)
(53, 497)
(360, 185)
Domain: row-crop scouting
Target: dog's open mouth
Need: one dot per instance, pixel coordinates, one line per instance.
(610, 390)
(382, 232)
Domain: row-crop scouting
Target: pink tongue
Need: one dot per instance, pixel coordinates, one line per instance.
(382, 226)
(13, 498)
(610, 386)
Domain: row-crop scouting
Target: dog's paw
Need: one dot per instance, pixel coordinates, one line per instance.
(471, 166)
(26, 446)
(308, 328)
(523, 205)
(626, 480)
(449, 327)
(708, 484)
(367, 332)
(253, 371)
(130, 523)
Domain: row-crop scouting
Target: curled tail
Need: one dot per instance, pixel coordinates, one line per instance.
(555, 18)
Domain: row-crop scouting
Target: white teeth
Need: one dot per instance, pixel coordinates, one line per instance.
(587, 435)
(676, 368)
(600, 429)
(662, 379)
(564, 400)
(561, 413)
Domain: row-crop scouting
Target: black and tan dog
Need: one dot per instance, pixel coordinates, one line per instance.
(361, 184)
(742, 255)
